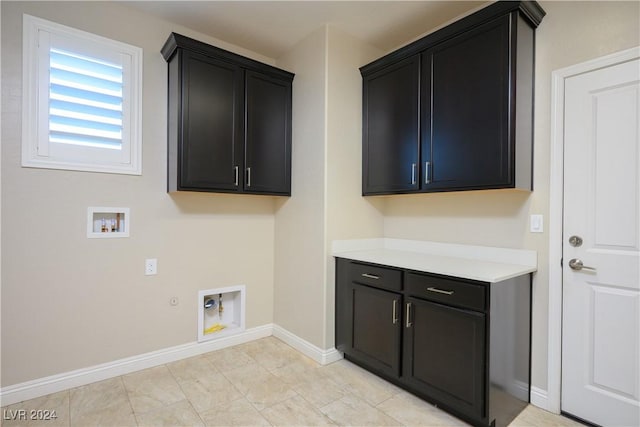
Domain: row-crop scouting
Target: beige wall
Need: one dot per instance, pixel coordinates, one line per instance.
(70, 302)
(326, 202)
(300, 226)
(571, 32)
(348, 214)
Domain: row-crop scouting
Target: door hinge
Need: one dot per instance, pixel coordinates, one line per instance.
(561, 259)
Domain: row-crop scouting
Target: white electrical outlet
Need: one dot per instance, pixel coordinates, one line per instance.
(150, 266)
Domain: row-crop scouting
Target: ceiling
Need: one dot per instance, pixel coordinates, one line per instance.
(271, 28)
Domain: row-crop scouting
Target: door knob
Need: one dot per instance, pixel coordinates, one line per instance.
(575, 241)
(577, 265)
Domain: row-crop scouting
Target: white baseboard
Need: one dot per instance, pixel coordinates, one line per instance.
(42, 386)
(517, 388)
(55, 383)
(540, 398)
(323, 357)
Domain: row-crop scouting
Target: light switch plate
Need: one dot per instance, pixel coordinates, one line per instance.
(150, 266)
(536, 224)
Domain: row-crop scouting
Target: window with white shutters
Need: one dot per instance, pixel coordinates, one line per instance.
(82, 100)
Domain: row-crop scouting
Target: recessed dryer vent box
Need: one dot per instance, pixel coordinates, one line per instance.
(220, 312)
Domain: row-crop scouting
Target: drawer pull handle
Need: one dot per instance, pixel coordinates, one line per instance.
(427, 171)
(408, 323)
(440, 291)
(394, 312)
(370, 276)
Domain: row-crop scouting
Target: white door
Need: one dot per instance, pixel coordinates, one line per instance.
(601, 274)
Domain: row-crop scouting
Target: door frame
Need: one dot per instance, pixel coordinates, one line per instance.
(556, 196)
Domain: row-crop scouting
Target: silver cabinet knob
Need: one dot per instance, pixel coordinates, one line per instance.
(577, 265)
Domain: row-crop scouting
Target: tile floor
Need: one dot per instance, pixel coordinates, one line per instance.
(264, 382)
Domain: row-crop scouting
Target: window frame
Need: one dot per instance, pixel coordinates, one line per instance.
(37, 151)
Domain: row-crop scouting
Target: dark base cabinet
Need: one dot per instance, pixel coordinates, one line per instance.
(462, 345)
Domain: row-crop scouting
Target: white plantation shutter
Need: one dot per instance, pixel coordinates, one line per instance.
(83, 100)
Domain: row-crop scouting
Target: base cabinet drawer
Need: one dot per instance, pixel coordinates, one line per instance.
(377, 276)
(447, 291)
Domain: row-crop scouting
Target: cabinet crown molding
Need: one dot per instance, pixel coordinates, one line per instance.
(530, 10)
(176, 41)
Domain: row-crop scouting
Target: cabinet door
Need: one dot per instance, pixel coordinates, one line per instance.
(268, 135)
(376, 328)
(210, 146)
(391, 128)
(466, 87)
(445, 354)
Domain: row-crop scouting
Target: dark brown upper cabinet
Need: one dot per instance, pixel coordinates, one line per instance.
(454, 110)
(229, 125)
(391, 127)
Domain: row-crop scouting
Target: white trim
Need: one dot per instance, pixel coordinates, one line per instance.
(42, 386)
(55, 383)
(556, 194)
(37, 152)
(323, 357)
(539, 398)
(517, 388)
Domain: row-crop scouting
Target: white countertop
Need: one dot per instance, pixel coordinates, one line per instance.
(482, 263)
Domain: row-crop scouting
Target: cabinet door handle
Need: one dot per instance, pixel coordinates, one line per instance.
(413, 173)
(427, 172)
(440, 291)
(248, 177)
(235, 169)
(394, 312)
(408, 323)
(370, 276)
